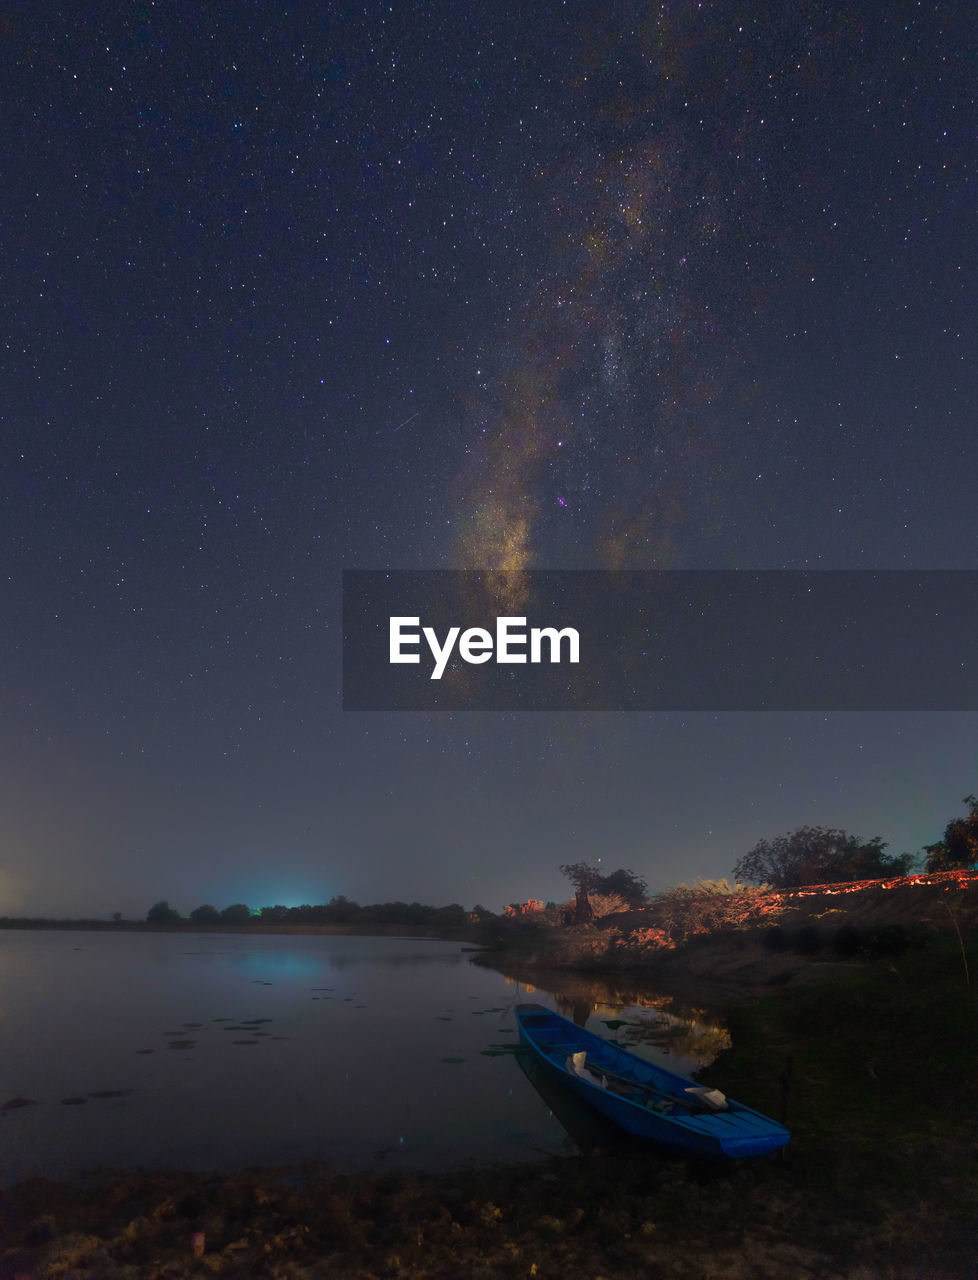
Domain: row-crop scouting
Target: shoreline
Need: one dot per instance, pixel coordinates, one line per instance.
(420, 932)
(843, 1045)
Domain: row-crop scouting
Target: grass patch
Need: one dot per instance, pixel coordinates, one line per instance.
(875, 1073)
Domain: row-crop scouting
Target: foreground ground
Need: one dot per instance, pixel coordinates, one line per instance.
(606, 1216)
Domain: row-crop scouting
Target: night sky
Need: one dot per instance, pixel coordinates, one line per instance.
(292, 288)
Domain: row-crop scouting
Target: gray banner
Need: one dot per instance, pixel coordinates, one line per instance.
(707, 640)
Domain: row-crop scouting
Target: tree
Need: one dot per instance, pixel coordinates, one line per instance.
(625, 884)
(620, 883)
(959, 848)
(162, 913)
(340, 910)
(451, 917)
(205, 914)
(582, 876)
(819, 855)
(275, 913)
(617, 884)
(236, 913)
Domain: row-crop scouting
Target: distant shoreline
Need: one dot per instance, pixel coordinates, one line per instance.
(191, 926)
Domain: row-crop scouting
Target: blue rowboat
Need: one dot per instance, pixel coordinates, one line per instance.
(644, 1099)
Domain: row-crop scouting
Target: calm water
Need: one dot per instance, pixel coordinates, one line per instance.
(228, 1051)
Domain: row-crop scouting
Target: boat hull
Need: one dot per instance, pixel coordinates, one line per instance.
(645, 1100)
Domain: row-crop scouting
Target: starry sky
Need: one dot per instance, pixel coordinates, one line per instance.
(296, 288)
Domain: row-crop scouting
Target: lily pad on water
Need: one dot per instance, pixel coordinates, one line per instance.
(501, 1050)
(442, 1018)
(453, 1059)
(320, 988)
(144, 1050)
(615, 1023)
(254, 1022)
(244, 1041)
(15, 1103)
(183, 1044)
(193, 1024)
(73, 1102)
(111, 1093)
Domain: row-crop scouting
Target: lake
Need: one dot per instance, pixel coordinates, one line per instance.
(207, 1051)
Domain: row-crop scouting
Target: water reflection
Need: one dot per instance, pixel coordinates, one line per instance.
(131, 1049)
(588, 1132)
(652, 1024)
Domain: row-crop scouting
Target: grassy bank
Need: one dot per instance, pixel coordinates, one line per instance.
(878, 1070)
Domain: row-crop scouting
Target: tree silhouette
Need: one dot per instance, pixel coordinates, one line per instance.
(819, 855)
(582, 876)
(587, 880)
(625, 884)
(959, 848)
(205, 914)
(162, 913)
(237, 913)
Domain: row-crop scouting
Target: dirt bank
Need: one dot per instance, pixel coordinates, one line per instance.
(739, 945)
